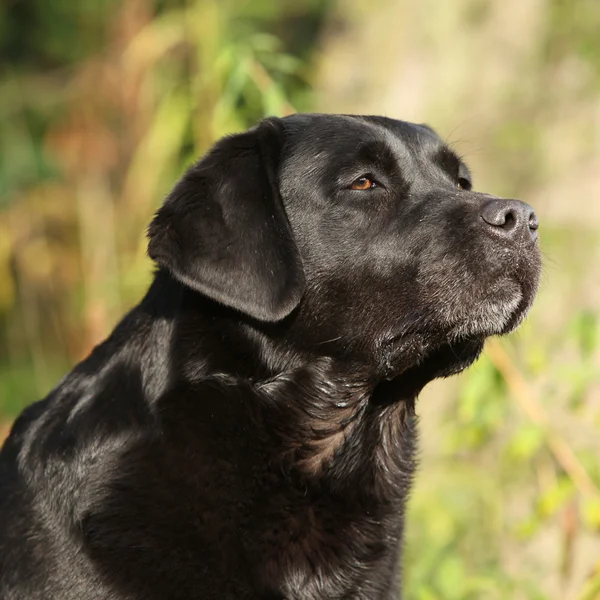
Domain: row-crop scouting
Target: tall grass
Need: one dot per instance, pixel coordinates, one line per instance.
(91, 150)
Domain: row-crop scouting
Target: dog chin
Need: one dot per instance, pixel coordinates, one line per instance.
(492, 317)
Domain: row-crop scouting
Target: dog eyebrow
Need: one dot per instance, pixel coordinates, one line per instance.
(379, 152)
(450, 161)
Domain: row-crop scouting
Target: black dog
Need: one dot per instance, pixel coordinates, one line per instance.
(248, 430)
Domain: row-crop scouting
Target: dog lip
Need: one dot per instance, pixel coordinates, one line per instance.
(521, 311)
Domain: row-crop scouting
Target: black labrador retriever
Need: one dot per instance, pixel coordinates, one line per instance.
(248, 430)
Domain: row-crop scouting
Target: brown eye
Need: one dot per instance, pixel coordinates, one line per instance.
(362, 183)
(464, 184)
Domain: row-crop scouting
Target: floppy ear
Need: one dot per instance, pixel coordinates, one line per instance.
(223, 230)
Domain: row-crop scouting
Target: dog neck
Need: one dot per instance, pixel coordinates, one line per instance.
(330, 430)
(331, 420)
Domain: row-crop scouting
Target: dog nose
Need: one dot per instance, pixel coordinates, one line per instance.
(510, 218)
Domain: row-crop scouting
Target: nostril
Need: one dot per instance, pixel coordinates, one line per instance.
(510, 220)
(533, 221)
(500, 216)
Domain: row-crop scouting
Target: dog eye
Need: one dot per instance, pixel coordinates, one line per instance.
(464, 184)
(363, 183)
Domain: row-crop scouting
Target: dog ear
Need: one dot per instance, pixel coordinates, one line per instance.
(223, 230)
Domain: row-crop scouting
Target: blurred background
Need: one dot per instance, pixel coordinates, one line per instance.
(103, 103)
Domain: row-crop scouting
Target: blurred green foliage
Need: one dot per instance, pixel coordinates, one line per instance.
(492, 450)
(103, 106)
(104, 103)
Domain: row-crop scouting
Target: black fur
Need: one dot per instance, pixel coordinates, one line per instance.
(248, 430)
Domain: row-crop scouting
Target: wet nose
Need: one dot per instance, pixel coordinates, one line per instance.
(510, 218)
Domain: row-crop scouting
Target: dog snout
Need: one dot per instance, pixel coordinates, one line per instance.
(512, 219)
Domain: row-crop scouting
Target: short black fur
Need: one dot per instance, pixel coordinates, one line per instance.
(248, 430)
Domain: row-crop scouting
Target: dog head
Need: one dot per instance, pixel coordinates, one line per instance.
(359, 237)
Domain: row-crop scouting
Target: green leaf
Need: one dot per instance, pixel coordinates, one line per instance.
(526, 442)
(451, 578)
(553, 499)
(591, 513)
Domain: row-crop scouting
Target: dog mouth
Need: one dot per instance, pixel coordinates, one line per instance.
(494, 314)
(452, 338)
(490, 302)
(481, 288)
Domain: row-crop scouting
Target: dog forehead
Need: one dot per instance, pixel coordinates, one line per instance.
(317, 138)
